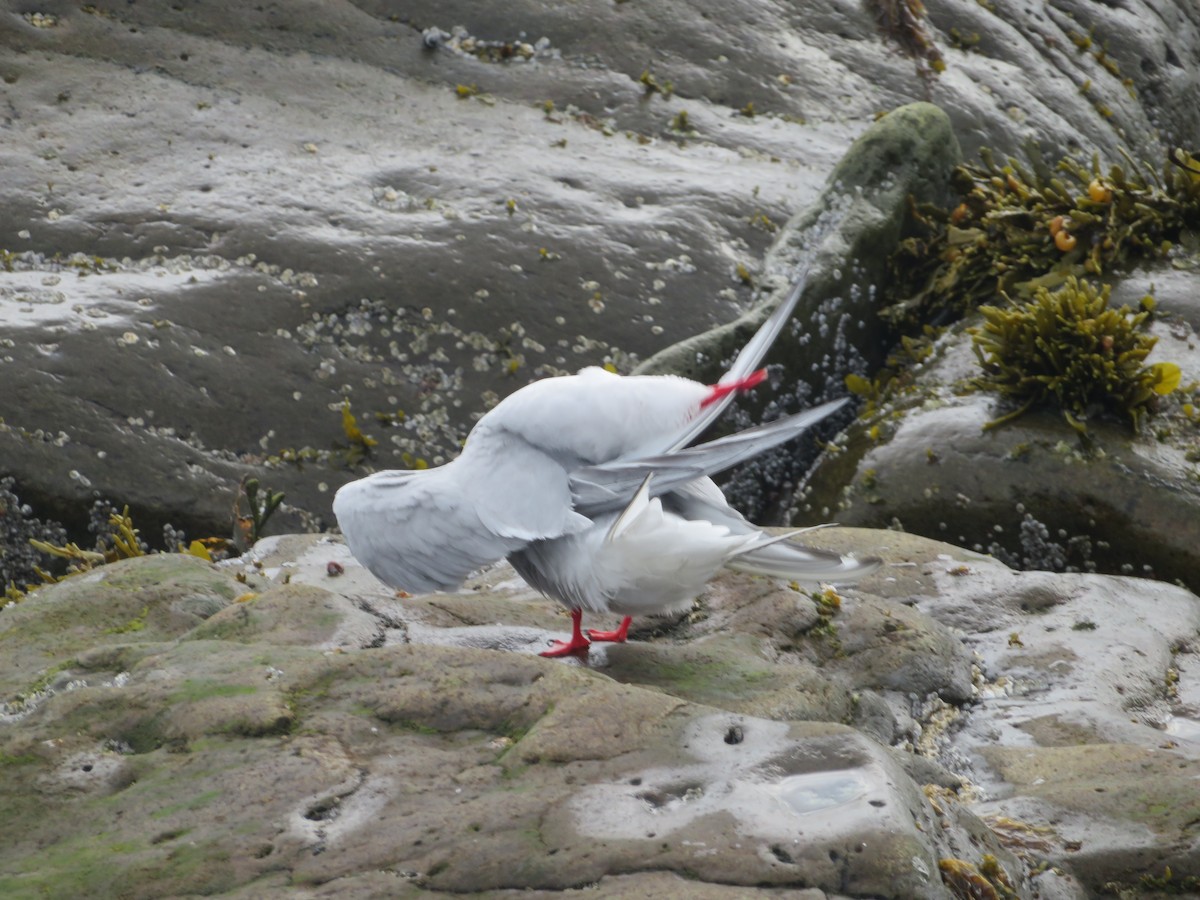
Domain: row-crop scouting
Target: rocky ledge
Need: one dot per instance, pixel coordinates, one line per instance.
(948, 728)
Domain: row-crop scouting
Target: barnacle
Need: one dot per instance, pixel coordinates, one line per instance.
(1070, 347)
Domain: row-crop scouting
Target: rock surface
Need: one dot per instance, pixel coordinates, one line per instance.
(176, 728)
(1032, 491)
(221, 224)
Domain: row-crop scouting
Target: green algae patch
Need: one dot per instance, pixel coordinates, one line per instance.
(199, 801)
(146, 600)
(714, 673)
(75, 867)
(287, 614)
(732, 673)
(193, 690)
(1148, 787)
(102, 866)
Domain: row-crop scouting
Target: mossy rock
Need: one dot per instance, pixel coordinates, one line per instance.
(297, 614)
(147, 600)
(734, 673)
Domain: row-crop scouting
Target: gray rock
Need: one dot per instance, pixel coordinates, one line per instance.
(848, 234)
(250, 217)
(1085, 689)
(840, 247)
(980, 711)
(811, 799)
(453, 767)
(1031, 490)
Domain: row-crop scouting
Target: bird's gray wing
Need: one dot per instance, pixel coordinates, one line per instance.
(747, 361)
(608, 486)
(415, 530)
(428, 530)
(518, 490)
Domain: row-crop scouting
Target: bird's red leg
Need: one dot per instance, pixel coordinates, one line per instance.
(742, 384)
(617, 637)
(577, 644)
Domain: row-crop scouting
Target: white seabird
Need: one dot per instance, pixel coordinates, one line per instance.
(586, 483)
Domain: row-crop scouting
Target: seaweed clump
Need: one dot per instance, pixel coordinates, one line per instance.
(26, 543)
(987, 881)
(248, 527)
(903, 21)
(1069, 347)
(1022, 228)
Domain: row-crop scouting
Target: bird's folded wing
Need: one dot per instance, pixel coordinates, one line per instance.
(518, 491)
(608, 486)
(428, 530)
(415, 530)
(777, 556)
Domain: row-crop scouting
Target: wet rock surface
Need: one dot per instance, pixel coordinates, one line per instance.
(264, 726)
(220, 225)
(220, 228)
(1032, 491)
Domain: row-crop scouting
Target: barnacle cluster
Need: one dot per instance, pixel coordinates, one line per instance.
(119, 540)
(116, 538)
(356, 450)
(19, 560)
(1070, 347)
(461, 42)
(1021, 228)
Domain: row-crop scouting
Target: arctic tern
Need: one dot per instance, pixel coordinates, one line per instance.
(588, 485)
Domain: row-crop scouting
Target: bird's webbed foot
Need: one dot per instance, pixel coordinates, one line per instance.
(616, 637)
(566, 648)
(576, 644)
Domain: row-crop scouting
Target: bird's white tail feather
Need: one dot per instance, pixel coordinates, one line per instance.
(781, 559)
